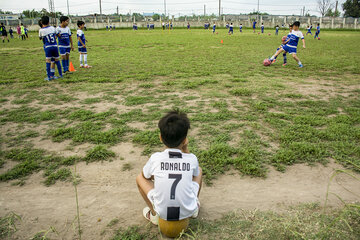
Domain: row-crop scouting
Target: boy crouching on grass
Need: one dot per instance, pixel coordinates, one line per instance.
(171, 180)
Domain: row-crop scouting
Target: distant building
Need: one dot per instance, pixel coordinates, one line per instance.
(5, 17)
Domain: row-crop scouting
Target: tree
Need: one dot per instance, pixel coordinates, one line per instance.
(324, 6)
(330, 13)
(156, 17)
(351, 8)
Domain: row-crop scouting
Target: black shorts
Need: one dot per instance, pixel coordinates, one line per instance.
(4, 34)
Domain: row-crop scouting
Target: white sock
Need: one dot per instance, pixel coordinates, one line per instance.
(299, 62)
(81, 59)
(272, 58)
(85, 59)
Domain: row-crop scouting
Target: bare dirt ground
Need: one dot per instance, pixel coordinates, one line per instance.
(108, 192)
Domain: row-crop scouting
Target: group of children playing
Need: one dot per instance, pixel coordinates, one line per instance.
(48, 34)
(22, 32)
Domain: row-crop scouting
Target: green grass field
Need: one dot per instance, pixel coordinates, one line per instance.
(243, 115)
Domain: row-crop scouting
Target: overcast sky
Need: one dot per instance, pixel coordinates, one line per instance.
(173, 7)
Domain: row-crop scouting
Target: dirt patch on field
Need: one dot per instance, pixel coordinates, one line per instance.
(108, 192)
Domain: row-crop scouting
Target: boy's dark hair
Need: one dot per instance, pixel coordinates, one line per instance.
(297, 23)
(45, 20)
(318, 24)
(40, 23)
(22, 24)
(79, 23)
(173, 128)
(291, 25)
(63, 18)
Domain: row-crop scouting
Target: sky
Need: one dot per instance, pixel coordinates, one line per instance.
(173, 7)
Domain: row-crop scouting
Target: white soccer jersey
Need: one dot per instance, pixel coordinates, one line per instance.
(294, 38)
(174, 195)
(64, 39)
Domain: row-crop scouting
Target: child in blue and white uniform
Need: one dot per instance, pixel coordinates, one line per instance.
(254, 26)
(227, 25)
(291, 45)
(64, 42)
(214, 28)
(48, 35)
(188, 26)
(231, 29)
(308, 30)
(317, 31)
(241, 27)
(262, 27)
(277, 30)
(81, 45)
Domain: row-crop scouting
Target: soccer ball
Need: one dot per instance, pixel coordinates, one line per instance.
(266, 62)
(217, 33)
(269, 34)
(318, 38)
(283, 39)
(258, 33)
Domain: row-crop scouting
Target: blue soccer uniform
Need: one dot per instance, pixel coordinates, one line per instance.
(231, 29)
(241, 28)
(291, 46)
(81, 48)
(48, 35)
(308, 31)
(262, 28)
(64, 35)
(277, 30)
(214, 28)
(317, 32)
(254, 25)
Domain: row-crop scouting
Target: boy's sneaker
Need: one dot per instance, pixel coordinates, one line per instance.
(300, 65)
(48, 79)
(87, 66)
(81, 66)
(284, 64)
(148, 216)
(55, 77)
(272, 61)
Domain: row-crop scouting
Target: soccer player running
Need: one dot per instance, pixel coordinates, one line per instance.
(317, 31)
(48, 35)
(291, 46)
(308, 30)
(65, 42)
(284, 40)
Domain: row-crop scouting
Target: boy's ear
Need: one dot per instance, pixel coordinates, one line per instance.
(160, 138)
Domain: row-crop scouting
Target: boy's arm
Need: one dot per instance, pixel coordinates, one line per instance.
(303, 40)
(71, 44)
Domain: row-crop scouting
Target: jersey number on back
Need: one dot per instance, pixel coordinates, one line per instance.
(177, 178)
(50, 38)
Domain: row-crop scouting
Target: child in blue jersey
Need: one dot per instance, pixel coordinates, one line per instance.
(48, 35)
(241, 27)
(262, 27)
(188, 26)
(214, 27)
(227, 25)
(277, 30)
(231, 29)
(81, 45)
(254, 26)
(308, 30)
(291, 45)
(284, 41)
(317, 31)
(65, 42)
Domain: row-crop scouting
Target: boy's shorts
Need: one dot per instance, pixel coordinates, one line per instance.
(64, 50)
(288, 49)
(51, 52)
(195, 190)
(82, 49)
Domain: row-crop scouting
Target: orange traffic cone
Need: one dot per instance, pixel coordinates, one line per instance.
(71, 67)
(222, 41)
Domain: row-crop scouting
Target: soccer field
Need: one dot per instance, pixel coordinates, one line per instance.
(244, 116)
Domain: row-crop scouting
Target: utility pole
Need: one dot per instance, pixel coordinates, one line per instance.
(304, 11)
(68, 8)
(165, 8)
(258, 11)
(204, 10)
(219, 9)
(100, 9)
(52, 11)
(336, 8)
(117, 10)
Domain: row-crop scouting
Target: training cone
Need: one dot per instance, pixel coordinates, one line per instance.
(71, 67)
(222, 41)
